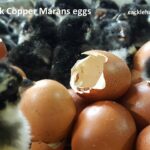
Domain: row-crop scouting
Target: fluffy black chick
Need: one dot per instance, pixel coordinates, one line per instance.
(3, 27)
(70, 4)
(43, 27)
(34, 57)
(42, 4)
(108, 4)
(45, 4)
(114, 34)
(15, 131)
(140, 23)
(74, 29)
(141, 2)
(64, 58)
(72, 33)
(105, 9)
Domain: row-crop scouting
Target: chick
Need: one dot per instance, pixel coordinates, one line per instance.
(108, 4)
(34, 57)
(70, 4)
(14, 128)
(41, 26)
(140, 23)
(42, 4)
(113, 34)
(74, 29)
(72, 35)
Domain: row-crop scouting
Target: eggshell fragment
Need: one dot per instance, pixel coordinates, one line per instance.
(100, 76)
(79, 101)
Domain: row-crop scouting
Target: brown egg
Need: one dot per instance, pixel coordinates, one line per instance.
(104, 125)
(137, 101)
(20, 71)
(143, 140)
(141, 56)
(3, 50)
(79, 101)
(49, 109)
(44, 146)
(136, 76)
(100, 76)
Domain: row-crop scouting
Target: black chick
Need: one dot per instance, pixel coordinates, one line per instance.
(114, 34)
(45, 4)
(106, 9)
(42, 4)
(15, 131)
(34, 57)
(140, 24)
(74, 29)
(72, 36)
(141, 2)
(70, 4)
(108, 4)
(42, 26)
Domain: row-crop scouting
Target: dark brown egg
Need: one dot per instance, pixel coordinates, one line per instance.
(141, 57)
(49, 109)
(137, 101)
(135, 76)
(3, 50)
(104, 125)
(79, 101)
(143, 140)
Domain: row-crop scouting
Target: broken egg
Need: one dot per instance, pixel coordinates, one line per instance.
(99, 76)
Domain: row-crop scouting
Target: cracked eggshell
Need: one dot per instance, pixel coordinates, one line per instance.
(102, 126)
(49, 109)
(3, 49)
(137, 101)
(141, 57)
(100, 76)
